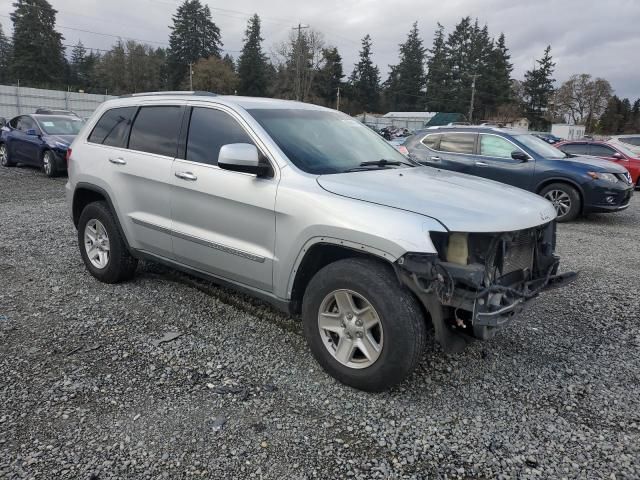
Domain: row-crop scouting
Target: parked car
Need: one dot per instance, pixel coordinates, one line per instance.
(40, 140)
(573, 185)
(630, 142)
(55, 111)
(547, 137)
(614, 152)
(310, 210)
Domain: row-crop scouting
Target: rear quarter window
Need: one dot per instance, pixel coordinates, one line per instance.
(113, 127)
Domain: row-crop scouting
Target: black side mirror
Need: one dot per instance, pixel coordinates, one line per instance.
(519, 155)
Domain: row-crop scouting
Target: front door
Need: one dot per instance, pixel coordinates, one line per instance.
(494, 162)
(223, 221)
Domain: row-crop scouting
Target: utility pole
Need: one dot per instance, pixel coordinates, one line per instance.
(190, 76)
(298, 82)
(473, 96)
(338, 99)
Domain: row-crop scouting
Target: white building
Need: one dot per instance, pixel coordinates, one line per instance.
(568, 132)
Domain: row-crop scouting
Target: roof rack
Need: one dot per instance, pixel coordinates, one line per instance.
(177, 92)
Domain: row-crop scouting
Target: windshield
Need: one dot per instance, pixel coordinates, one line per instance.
(59, 125)
(626, 151)
(322, 142)
(541, 147)
(631, 140)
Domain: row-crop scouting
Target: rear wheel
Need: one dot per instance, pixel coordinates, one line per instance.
(102, 248)
(5, 158)
(49, 163)
(362, 327)
(565, 199)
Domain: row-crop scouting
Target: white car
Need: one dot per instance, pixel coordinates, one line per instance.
(630, 142)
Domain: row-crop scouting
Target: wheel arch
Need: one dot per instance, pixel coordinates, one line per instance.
(568, 181)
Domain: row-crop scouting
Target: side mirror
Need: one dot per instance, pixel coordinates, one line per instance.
(32, 132)
(518, 155)
(618, 155)
(242, 157)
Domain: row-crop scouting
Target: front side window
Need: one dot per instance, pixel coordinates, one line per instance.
(324, 142)
(209, 130)
(26, 123)
(494, 146)
(576, 148)
(54, 125)
(602, 151)
(113, 127)
(458, 142)
(155, 130)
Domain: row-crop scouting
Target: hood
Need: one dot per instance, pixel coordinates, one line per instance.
(66, 139)
(462, 203)
(595, 164)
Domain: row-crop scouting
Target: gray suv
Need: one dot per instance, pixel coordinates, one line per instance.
(310, 210)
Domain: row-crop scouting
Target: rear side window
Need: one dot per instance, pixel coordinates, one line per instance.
(493, 146)
(209, 130)
(155, 130)
(431, 141)
(575, 148)
(457, 142)
(602, 151)
(113, 127)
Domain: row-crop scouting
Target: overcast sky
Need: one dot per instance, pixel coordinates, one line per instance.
(598, 37)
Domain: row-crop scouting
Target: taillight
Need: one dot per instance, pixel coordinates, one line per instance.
(403, 150)
(68, 156)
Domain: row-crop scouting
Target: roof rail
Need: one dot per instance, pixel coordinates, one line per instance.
(177, 92)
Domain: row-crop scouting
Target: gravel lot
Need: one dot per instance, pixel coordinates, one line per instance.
(88, 391)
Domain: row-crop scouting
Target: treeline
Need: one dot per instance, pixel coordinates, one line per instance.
(465, 63)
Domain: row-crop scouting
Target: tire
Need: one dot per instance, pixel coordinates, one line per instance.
(119, 265)
(565, 199)
(5, 157)
(49, 164)
(400, 336)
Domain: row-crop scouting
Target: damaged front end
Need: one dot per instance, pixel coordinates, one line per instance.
(477, 282)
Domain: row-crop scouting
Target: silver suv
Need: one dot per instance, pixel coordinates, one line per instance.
(310, 210)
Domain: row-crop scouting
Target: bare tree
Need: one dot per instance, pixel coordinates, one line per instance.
(583, 99)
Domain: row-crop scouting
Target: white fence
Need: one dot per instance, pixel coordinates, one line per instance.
(22, 100)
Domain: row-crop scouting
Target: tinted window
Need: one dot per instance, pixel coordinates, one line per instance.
(155, 130)
(113, 127)
(26, 123)
(457, 142)
(431, 141)
(14, 122)
(209, 130)
(631, 141)
(575, 148)
(493, 146)
(602, 151)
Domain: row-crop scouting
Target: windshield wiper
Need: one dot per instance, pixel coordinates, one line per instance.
(383, 162)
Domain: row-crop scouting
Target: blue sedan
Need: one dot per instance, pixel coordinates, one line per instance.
(39, 140)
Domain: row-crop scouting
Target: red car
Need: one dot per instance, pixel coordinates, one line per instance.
(615, 153)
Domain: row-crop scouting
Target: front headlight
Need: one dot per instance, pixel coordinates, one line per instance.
(607, 177)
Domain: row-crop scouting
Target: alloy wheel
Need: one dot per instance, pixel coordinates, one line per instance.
(561, 201)
(350, 328)
(47, 161)
(96, 243)
(4, 156)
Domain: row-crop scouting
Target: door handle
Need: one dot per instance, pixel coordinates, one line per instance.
(186, 176)
(482, 164)
(118, 161)
(435, 159)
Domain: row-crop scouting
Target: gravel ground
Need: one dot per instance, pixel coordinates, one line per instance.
(94, 386)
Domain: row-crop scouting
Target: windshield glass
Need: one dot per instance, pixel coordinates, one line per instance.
(59, 125)
(539, 146)
(631, 140)
(322, 142)
(626, 151)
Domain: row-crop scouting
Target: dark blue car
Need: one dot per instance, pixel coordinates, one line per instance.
(574, 185)
(40, 140)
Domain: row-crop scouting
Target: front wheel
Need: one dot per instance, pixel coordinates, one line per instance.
(5, 158)
(565, 199)
(361, 325)
(49, 164)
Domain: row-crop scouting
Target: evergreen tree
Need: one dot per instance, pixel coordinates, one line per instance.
(252, 64)
(38, 55)
(77, 65)
(330, 76)
(538, 89)
(229, 60)
(214, 75)
(5, 57)
(405, 87)
(193, 36)
(437, 78)
(365, 79)
(501, 68)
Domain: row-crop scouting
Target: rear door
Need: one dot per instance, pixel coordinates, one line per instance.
(223, 221)
(455, 152)
(494, 161)
(140, 174)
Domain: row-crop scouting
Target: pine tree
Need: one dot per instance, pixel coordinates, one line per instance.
(437, 78)
(5, 57)
(77, 65)
(252, 64)
(229, 61)
(405, 87)
(502, 68)
(538, 88)
(329, 78)
(365, 79)
(38, 54)
(193, 36)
